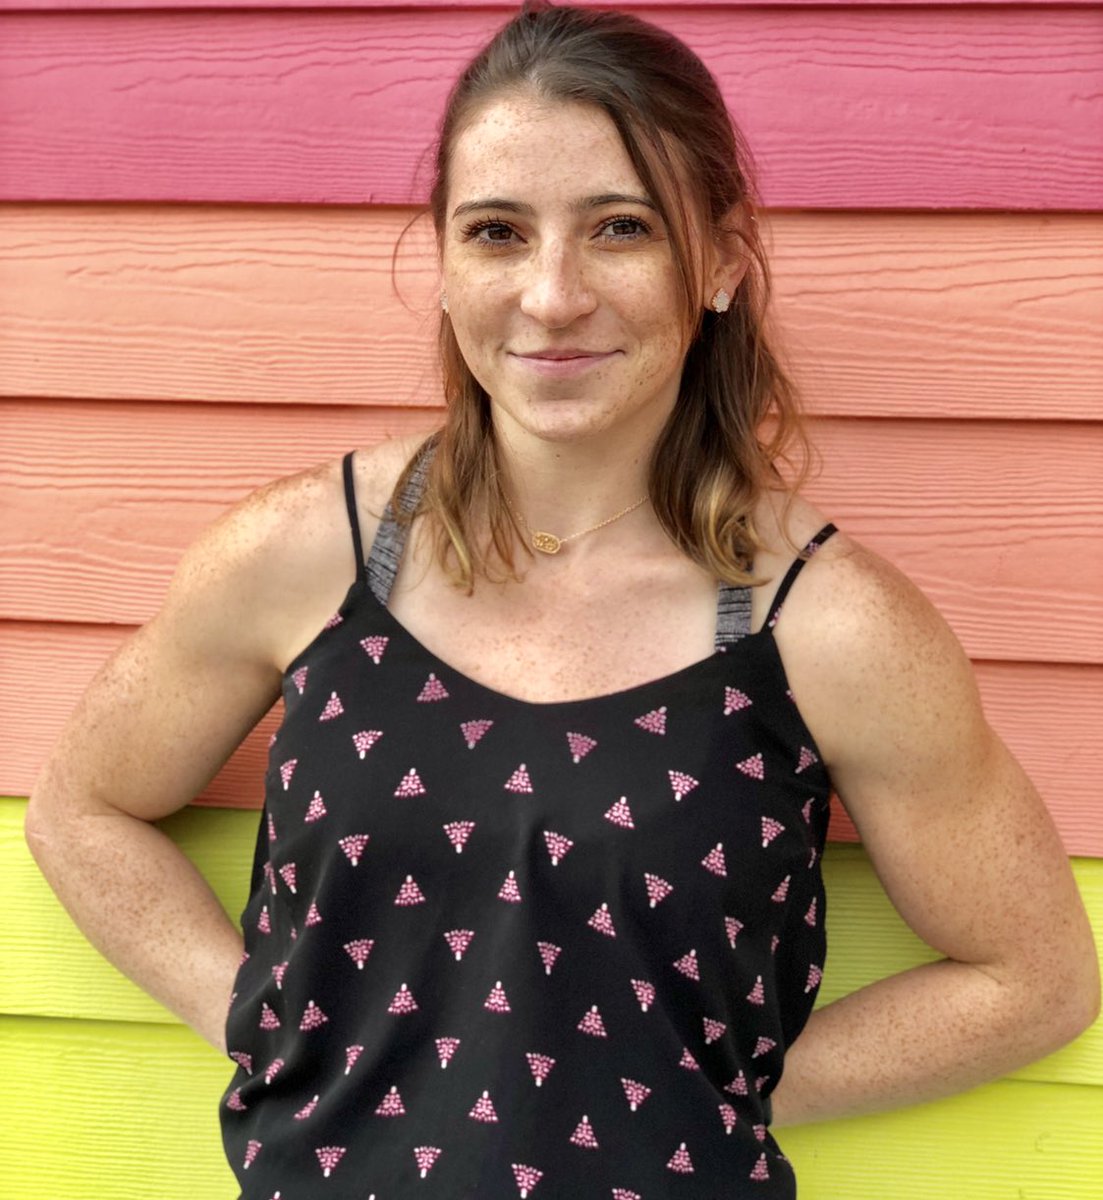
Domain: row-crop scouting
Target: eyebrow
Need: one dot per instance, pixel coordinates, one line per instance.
(578, 206)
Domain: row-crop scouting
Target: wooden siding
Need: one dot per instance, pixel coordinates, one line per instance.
(202, 198)
(846, 106)
(997, 316)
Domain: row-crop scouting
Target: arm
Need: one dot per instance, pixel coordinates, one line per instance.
(155, 726)
(960, 840)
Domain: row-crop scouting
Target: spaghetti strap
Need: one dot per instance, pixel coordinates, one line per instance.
(794, 570)
(354, 518)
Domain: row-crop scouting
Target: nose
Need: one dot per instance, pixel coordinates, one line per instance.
(556, 290)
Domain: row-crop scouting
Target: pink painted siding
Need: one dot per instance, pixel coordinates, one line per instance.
(977, 107)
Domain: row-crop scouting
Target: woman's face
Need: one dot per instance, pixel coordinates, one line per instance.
(561, 285)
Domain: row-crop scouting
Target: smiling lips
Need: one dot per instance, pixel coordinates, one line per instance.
(559, 363)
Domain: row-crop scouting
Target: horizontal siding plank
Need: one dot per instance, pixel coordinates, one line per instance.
(508, 6)
(51, 971)
(135, 1108)
(949, 107)
(890, 314)
(999, 522)
(108, 1111)
(1048, 714)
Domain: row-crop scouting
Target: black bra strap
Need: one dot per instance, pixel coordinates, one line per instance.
(354, 518)
(794, 570)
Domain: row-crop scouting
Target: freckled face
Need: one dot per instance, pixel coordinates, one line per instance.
(561, 286)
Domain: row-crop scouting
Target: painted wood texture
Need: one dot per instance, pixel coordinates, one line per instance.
(883, 314)
(102, 1090)
(846, 106)
(1049, 714)
(50, 970)
(1000, 523)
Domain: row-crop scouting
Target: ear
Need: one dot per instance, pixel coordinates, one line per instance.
(728, 257)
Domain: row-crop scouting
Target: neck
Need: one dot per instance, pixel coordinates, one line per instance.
(565, 488)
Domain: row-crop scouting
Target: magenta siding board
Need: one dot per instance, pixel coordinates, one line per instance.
(846, 107)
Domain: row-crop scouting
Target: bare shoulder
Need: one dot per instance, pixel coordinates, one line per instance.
(279, 562)
(877, 671)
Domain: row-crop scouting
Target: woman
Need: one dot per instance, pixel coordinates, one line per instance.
(537, 906)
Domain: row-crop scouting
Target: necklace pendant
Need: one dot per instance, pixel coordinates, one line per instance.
(546, 543)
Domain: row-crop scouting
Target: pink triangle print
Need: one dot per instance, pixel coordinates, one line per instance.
(313, 1017)
(446, 1050)
(458, 832)
(549, 952)
(657, 888)
(483, 1110)
(727, 1117)
(645, 993)
(603, 922)
(770, 830)
(458, 940)
(752, 767)
(687, 964)
(680, 1162)
(307, 1109)
(411, 784)
(735, 701)
(316, 810)
(757, 994)
(635, 1092)
(558, 844)
(653, 721)
(299, 679)
(359, 950)
(432, 690)
(526, 1179)
(474, 732)
(592, 1023)
(391, 1105)
(540, 1065)
(806, 760)
(354, 845)
(273, 1069)
(687, 1062)
(425, 1157)
(374, 647)
(681, 784)
(333, 708)
(579, 746)
(409, 893)
(714, 861)
(714, 1030)
(584, 1135)
(496, 1001)
(760, 1173)
(352, 1053)
(815, 974)
(620, 814)
(620, 1193)
(781, 891)
(738, 1086)
(365, 739)
(519, 781)
(732, 928)
(509, 891)
(287, 769)
(402, 1003)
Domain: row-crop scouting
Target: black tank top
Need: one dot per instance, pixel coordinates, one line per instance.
(498, 949)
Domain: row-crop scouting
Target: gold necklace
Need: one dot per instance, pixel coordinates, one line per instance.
(548, 543)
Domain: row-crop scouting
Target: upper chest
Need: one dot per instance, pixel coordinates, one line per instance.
(562, 634)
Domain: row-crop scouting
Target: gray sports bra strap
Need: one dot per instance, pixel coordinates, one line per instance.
(390, 537)
(733, 615)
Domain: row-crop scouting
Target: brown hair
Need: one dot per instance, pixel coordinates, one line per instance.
(712, 460)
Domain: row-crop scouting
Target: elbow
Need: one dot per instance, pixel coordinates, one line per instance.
(1074, 1006)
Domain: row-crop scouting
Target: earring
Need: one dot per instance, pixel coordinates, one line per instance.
(444, 301)
(721, 302)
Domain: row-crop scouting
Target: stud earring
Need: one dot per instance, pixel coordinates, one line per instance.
(721, 302)
(444, 301)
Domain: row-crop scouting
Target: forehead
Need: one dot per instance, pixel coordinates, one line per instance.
(521, 144)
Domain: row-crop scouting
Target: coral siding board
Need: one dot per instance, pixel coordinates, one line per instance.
(1048, 714)
(1000, 522)
(846, 106)
(902, 314)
